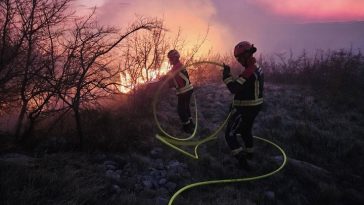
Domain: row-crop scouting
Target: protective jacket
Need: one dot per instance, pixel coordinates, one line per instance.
(181, 80)
(248, 87)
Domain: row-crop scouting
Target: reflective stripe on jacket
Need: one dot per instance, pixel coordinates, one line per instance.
(248, 87)
(181, 79)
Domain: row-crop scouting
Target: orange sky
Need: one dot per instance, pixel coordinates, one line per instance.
(192, 17)
(230, 20)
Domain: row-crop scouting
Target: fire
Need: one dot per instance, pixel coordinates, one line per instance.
(127, 84)
(164, 68)
(124, 87)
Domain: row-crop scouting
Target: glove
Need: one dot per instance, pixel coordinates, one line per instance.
(226, 71)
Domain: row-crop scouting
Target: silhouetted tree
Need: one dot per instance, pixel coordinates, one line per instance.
(23, 59)
(88, 70)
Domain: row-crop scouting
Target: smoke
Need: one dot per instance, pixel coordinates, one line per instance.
(273, 26)
(313, 10)
(193, 18)
(284, 25)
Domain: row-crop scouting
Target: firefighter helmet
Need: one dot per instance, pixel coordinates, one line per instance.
(243, 48)
(173, 53)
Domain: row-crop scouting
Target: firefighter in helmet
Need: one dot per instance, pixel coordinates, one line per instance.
(248, 98)
(184, 90)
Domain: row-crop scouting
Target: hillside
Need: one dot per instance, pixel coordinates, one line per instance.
(323, 142)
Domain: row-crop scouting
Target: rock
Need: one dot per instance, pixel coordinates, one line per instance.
(176, 170)
(186, 174)
(155, 173)
(163, 173)
(155, 183)
(173, 164)
(138, 187)
(100, 157)
(148, 193)
(180, 169)
(173, 174)
(109, 162)
(110, 167)
(162, 191)
(127, 166)
(171, 186)
(156, 152)
(147, 183)
(161, 201)
(159, 164)
(162, 181)
(129, 182)
(128, 170)
(278, 159)
(248, 202)
(119, 172)
(116, 188)
(270, 195)
(112, 175)
(109, 173)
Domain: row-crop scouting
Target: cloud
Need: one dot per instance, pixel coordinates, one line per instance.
(271, 25)
(314, 10)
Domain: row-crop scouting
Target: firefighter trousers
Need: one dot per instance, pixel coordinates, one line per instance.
(183, 106)
(241, 123)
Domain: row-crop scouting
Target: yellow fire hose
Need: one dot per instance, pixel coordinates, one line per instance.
(172, 141)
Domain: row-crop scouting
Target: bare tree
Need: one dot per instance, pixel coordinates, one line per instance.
(11, 52)
(54, 65)
(177, 42)
(142, 58)
(145, 54)
(23, 26)
(88, 70)
(37, 18)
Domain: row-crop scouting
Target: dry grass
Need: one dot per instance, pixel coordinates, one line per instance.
(312, 126)
(55, 179)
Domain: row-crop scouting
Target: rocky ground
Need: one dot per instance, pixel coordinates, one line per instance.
(319, 169)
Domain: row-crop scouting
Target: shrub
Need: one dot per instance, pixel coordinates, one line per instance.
(336, 74)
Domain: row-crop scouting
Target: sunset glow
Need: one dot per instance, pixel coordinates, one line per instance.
(192, 18)
(313, 10)
(228, 22)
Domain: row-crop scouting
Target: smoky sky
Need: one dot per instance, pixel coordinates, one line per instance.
(273, 26)
(275, 29)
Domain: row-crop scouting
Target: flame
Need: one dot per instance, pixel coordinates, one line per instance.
(126, 84)
(164, 68)
(124, 87)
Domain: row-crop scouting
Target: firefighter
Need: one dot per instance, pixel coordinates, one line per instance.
(184, 90)
(248, 99)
